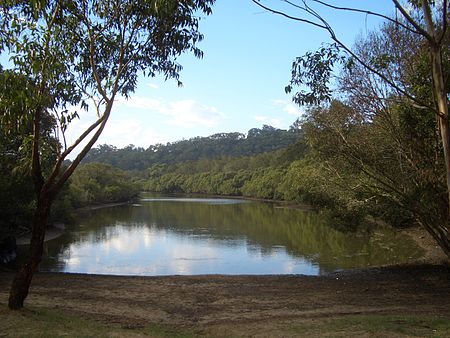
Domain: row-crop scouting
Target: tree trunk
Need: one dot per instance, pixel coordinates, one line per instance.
(442, 105)
(22, 280)
(440, 233)
(445, 137)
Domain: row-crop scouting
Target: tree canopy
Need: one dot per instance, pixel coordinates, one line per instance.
(395, 88)
(72, 56)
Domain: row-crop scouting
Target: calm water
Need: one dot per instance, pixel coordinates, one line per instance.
(165, 236)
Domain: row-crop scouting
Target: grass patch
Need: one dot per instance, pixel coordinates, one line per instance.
(376, 325)
(40, 322)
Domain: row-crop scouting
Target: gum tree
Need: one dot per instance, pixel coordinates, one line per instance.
(83, 54)
(426, 20)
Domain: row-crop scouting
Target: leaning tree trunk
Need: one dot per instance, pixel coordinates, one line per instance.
(22, 280)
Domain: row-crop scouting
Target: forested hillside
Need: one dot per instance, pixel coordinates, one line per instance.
(267, 175)
(218, 145)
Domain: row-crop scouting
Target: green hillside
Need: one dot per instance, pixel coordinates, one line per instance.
(256, 141)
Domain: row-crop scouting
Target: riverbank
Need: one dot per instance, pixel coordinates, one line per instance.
(433, 253)
(391, 301)
(407, 297)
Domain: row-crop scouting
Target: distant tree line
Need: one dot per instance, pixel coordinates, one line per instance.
(233, 144)
(259, 175)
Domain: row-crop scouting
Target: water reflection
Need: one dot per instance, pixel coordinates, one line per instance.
(209, 236)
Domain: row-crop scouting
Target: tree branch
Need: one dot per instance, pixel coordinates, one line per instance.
(68, 172)
(333, 36)
(413, 22)
(36, 167)
(367, 12)
(91, 38)
(288, 16)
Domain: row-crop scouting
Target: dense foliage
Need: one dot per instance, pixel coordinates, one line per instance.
(218, 145)
(96, 183)
(270, 175)
(398, 76)
(16, 185)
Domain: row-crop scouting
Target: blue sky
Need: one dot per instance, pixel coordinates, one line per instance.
(239, 83)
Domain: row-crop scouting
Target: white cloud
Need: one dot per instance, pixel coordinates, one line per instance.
(122, 132)
(288, 107)
(189, 113)
(274, 122)
(119, 131)
(143, 121)
(186, 113)
(139, 102)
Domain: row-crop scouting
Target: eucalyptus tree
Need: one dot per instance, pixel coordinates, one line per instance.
(16, 193)
(426, 22)
(410, 148)
(80, 55)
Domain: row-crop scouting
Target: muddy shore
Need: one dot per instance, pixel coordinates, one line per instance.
(242, 305)
(217, 305)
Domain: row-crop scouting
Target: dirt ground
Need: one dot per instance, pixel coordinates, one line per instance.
(256, 305)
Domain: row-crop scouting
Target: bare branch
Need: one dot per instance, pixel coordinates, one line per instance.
(429, 22)
(288, 16)
(326, 26)
(309, 10)
(57, 167)
(413, 22)
(59, 125)
(367, 12)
